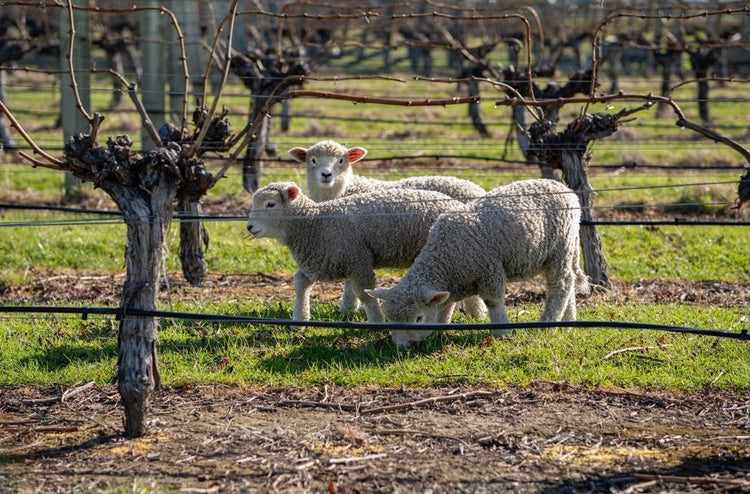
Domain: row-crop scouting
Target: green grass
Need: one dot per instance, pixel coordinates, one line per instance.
(700, 253)
(63, 350)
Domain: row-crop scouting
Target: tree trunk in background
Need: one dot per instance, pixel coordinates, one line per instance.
(703, 62)
(192, 234)
(594, 262)
(252, 166)
(193, 239)
(474, 110)
(72, 120)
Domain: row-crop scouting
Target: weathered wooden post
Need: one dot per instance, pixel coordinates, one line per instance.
(72, 121)
(154, 77)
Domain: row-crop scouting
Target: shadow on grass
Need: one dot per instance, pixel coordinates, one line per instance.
(278, 349)
(60, 357)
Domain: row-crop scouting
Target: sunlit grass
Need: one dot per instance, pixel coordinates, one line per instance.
(50, 350)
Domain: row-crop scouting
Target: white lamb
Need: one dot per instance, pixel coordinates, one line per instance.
(346, 238)
(513, 233)
(330, 175)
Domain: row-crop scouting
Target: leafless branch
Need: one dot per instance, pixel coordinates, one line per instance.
(145, 119)
(69, 58)
(224, 75)
(607, 20)
(14, 123)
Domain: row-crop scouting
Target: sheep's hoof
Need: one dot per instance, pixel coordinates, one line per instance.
(349, 308)
(349, 304)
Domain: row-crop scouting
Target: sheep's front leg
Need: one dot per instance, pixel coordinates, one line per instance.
(302, 287)
(370, 304)
(496, 308)
(445, 314)
(349, 301)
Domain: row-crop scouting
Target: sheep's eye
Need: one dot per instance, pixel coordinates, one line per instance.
(270, 204)
(341, 161)
(313, 161)
(419, 319)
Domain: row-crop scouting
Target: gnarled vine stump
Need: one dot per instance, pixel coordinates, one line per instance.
(144, 187)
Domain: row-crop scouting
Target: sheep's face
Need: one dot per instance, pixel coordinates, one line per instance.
(423, 307)
(327, 162)
(270, 206)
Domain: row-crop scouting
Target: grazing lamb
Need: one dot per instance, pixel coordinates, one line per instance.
(346, 238)
(511, 234)
(330, 175)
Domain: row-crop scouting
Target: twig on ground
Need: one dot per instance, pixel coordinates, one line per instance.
(631, 349)
(412, 432)
(60, 398)
(354, 459)
(426, 401)
(692, 479)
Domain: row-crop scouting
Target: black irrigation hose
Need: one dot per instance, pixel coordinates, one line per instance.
(119, 313)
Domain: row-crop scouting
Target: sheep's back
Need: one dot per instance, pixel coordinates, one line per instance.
(457, 188)
(532, 223)
(394, 224)
(521, 227)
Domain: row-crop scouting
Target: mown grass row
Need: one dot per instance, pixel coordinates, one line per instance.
(46, 350)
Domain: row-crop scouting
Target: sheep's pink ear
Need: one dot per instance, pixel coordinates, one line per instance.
(356, 154)
(381, 293)
(291, 192)
(299, 154)
(434, 297)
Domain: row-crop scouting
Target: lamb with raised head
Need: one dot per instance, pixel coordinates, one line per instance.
(346, 238)
(513, 233)
(330, 175)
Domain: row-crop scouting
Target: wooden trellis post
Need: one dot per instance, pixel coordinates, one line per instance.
(72, 121)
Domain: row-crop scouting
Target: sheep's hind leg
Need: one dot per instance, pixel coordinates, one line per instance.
(349, 301)
(302, 287)
(570, 313)
(560, 289)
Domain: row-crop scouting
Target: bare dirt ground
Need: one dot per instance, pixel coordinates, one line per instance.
(551, 437)
(548, 438)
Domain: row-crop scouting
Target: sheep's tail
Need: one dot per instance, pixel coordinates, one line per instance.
(582, 280)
